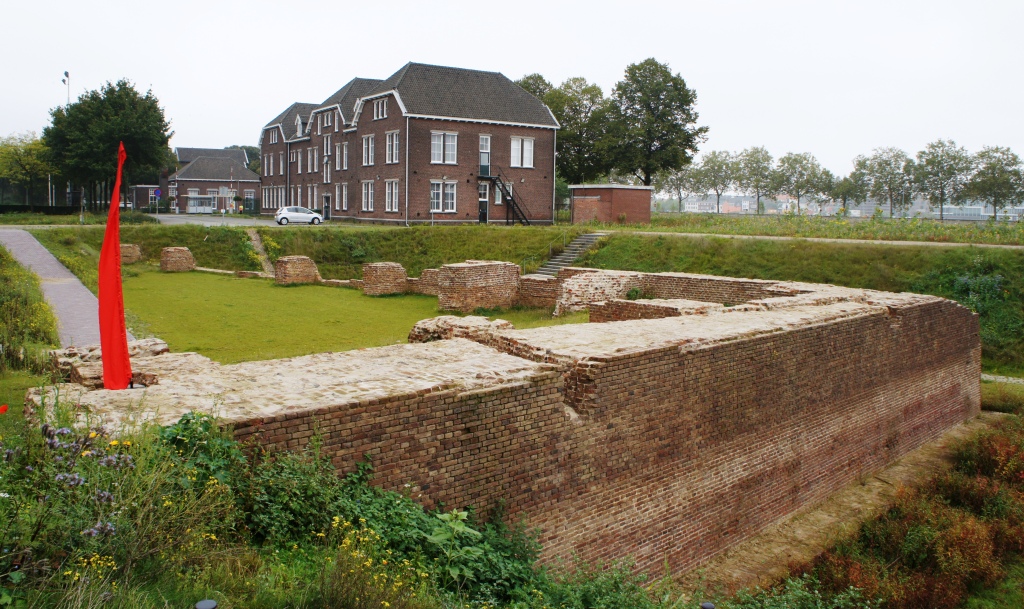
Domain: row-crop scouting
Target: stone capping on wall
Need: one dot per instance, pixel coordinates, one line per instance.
(620, 310)
(130, 253)
(384, 278)
(295, 269)
(176, 260)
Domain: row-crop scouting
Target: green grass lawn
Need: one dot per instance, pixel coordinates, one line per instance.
(232, 320)
(13, 385)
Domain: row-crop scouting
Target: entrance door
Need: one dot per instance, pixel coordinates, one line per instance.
(484, 189)
(327, 207)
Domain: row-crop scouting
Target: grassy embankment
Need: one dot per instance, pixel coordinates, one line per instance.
(28, 219)
(988, 280)
(883, 229)
(236, 320)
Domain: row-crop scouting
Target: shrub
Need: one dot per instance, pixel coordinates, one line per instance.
(801, 593)
(27, 325)
(1003, 397)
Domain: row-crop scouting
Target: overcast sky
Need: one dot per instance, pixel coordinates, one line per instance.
(835, 79)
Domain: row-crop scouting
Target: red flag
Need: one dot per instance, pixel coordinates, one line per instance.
(117, 367)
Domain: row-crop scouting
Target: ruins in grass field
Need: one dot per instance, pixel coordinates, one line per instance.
(696, 411)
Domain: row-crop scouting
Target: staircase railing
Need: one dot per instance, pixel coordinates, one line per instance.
(513, 206)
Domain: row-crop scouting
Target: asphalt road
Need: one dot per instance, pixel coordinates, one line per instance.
(211, 220)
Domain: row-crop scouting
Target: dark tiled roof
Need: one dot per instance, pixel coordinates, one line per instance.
(461, 93)
(346, 96)
(215, 168)
(187, 155)
(287, 118)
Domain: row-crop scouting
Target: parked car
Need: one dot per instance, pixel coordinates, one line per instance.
(297, 214)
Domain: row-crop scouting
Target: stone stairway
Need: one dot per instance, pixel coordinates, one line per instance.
(571, 253)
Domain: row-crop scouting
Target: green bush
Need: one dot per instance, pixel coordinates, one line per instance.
(27, 324)
(1002, 397)
(801, 593)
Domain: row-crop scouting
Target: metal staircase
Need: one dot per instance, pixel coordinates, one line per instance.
(570, 254)
(513, 206)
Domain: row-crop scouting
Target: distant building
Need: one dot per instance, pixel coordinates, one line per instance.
(611, 203)
(212, 181)
(428, 144)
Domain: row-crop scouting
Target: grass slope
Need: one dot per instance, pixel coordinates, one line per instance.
(918, 229)
(340, 253)
(232, 320)
(990, 281)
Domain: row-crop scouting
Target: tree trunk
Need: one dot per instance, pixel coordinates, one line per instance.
(718, 203)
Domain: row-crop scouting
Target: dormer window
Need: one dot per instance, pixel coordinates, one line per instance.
(327, 119)
(273, 136)
(380, 109)
(298, 126)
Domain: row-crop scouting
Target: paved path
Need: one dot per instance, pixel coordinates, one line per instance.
(817, 239)
(1002, 379)
(74, 305)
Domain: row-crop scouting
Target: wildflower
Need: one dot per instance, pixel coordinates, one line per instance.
(92, 434)
(104, 496)
(114, 442)
(3, 409)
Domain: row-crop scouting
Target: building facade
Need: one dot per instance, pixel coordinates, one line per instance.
(430, 144)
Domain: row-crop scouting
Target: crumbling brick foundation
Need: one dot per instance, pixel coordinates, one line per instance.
(295, 269)
(667, 439)
(384, 278)
(538, 291)
(176, 260)
(477, 284)
(130, 253)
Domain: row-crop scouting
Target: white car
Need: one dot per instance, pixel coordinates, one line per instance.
(297, 214)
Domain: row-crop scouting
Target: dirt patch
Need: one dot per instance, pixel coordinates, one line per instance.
(765, 558)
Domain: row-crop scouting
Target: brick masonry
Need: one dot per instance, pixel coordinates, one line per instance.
(382, 278)
(176, 259)
(477, 284)
(538, 291)
(130, 253)
(295, 269)
(622, 310)
(667, 439)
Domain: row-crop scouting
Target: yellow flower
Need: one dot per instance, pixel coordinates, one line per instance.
(114, 442)
(92, 434)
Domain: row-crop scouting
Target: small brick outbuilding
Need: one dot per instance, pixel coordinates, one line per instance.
(611, 203)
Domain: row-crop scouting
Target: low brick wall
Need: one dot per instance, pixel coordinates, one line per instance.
(707, 288)
(477, 284)
(538, 290)
(426, 283)
(622, 310)
(295, 269)
(384, 278)
(130, 253)
(578, 291)
(176, 260)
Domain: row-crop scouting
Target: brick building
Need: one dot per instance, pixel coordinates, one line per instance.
(210, 183)
(428, 144)
(611, 203)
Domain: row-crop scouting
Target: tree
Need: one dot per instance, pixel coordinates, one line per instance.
(755, 174)
(999, 179)
(823, 191)
(798, 175)
(23, 160)
(717, 172)
(536, 85)
(582, 111)
(942, 172)
(682, 183)
(652, 126)
(84, 136)
(252, 153)
(890, 177)
(852, 188)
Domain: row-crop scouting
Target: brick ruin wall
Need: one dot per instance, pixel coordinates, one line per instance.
(669, 454)
(384, 278)
(176, 260)
(475, 285)
(130, 253)
(622, 310)
(426, 283)
(295, 269)
(538, 291)
(452, 447)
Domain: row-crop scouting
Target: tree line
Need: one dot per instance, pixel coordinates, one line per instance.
(943, 173)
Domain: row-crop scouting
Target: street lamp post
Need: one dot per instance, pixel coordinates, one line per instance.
(81, 212)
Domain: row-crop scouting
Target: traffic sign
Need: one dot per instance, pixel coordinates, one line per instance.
(157, 192)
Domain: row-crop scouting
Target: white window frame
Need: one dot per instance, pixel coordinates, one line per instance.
(280, 163)
(271, 164)
(273, 136)
(485, 148)
(440, 156)
(316, 160)
(337, 157)
(391, 195)
(367, 203)
(344, 196)
(248, 195)
(327, 173)
(522, 152)
(442, 203)
(391, 148)
(298, 155)
(344, 156)
(497, 193)
(327, 145)
(337, 197)
(368, 150)
(380, 109)
(328, 119)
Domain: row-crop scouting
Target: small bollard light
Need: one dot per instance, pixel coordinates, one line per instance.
(212, 604)
(702, 606)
